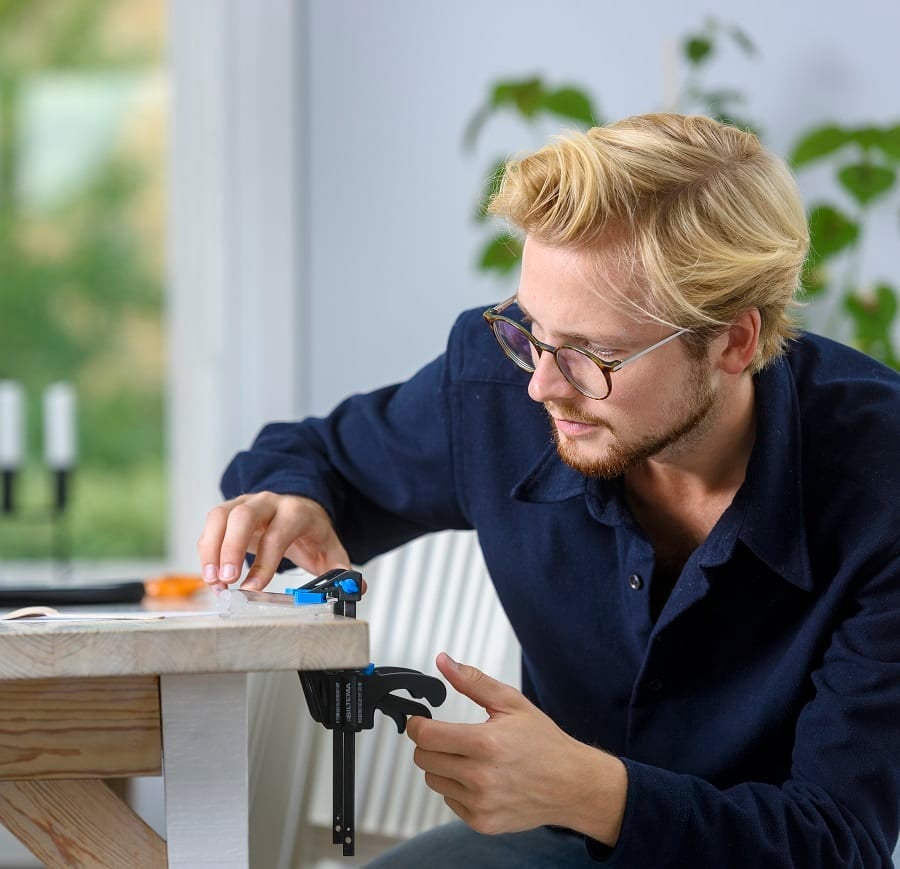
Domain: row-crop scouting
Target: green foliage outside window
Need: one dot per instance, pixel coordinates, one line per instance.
(864, 161)
(82, 131)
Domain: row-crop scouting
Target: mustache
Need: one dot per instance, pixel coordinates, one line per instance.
(574, 414)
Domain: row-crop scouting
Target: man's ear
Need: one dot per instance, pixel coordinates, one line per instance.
(736, 347)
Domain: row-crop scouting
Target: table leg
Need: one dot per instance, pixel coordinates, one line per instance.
(205, 765)
(78, 823)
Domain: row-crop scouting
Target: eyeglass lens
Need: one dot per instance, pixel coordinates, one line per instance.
(516, 342)
(577, 368)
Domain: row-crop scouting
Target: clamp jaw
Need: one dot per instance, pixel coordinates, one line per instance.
(344, 587)
(344, 701)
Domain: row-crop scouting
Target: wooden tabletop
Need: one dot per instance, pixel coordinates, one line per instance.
(301, 638)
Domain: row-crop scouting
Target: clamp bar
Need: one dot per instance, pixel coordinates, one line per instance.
(344, 701)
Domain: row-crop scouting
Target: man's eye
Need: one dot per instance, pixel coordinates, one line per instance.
(536, 330)
(605, 355)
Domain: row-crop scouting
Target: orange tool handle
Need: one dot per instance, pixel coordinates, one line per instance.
(173, 585)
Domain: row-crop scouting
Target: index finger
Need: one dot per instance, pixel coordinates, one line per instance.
(209, 546)
(228, 535)
(445, 736)
(247, 519)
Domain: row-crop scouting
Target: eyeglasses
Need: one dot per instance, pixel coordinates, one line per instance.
(587, 372)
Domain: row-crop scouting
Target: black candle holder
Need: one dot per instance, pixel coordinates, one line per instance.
(54, 514)
(60, 438)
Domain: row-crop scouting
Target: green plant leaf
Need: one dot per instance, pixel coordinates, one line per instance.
(873, 318)
(889, 142)
(830, 232)
(501, 254)
(526, 95)
(867, 137)
(697, 49)
(819, 143)
(866, 181)
(490, 187)
(572, 103)
(741, 39)
(814, 279)
(522, 95)
(721, 97)
(473, 127)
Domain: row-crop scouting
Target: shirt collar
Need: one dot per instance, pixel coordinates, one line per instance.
(767, 512)
(549, 480)
(769, 505)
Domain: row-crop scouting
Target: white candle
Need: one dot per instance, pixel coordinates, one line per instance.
(60, 438)
(12, 425)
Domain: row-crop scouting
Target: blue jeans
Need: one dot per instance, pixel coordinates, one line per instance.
(456, 846)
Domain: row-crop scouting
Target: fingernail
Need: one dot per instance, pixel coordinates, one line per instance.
(453, 663)
(229, 571)
(210, 573)
(250, 584)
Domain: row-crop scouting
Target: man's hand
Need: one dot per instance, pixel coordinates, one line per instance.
(269, 526)
(517, 770)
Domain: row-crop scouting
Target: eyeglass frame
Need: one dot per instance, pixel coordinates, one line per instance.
(607, 367)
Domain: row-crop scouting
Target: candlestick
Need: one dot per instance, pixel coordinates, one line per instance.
(12, 424)
(60, 437)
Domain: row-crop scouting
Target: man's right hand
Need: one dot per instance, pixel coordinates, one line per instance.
(270, 527)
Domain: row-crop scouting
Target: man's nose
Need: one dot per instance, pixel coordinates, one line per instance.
(547, 382)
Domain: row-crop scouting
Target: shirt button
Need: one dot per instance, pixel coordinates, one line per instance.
(655, 685)
(635, 582)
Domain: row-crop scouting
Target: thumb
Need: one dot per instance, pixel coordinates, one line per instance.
(488, 693)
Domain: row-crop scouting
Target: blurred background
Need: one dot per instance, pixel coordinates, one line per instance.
(215, 213)
(84, 112)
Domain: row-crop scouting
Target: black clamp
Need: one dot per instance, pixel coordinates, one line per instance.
(344, 701)
(344, 587)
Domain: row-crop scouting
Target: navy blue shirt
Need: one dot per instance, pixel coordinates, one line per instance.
(759, 715)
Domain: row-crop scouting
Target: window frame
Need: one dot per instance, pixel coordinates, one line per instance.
(235, 288)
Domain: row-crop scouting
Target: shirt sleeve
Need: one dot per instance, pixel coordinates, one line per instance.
(840, 809)
(381, 464)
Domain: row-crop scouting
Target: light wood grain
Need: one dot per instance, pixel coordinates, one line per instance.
(202, 664)
(78, 824)
(80, 728)
(304, 640)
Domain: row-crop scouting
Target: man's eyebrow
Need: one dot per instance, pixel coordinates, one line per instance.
(523, 309)
(577, 338)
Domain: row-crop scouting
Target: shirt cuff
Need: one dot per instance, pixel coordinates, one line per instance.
(656, 811)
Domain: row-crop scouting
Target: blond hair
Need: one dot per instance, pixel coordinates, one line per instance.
(711, 223)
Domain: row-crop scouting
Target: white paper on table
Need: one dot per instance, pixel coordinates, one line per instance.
(41, 614)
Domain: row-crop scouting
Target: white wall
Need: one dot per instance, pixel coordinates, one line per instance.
(389, 192)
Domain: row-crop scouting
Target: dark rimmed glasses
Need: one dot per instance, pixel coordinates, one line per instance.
(587, 372)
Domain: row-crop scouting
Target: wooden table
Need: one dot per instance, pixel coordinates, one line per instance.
(81, 702)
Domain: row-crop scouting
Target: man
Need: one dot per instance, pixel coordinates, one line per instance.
(689, 514)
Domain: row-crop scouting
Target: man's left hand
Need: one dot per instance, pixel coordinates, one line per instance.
(517, 770)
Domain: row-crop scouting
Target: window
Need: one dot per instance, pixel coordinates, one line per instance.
(83, 117)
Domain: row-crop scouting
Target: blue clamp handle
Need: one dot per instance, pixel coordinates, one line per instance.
(305, 598)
